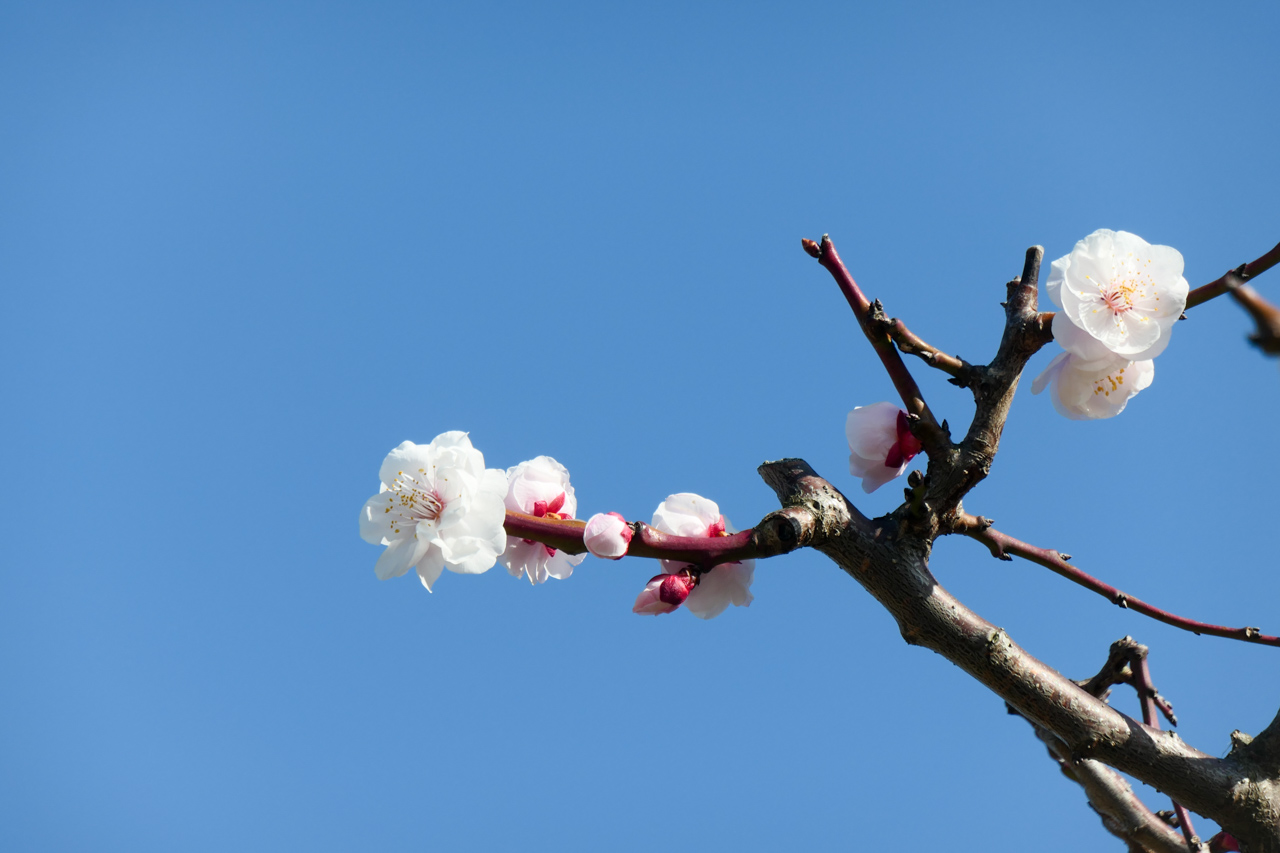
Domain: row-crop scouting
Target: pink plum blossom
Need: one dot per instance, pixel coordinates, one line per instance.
(1089, 390)
(880, 444)
(607, 535)
(539, 487)
(665, 593)
(438, 508)
(1118, 292)
(715, 589)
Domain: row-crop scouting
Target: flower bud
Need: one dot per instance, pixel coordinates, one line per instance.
(607, 535)
(664, 593)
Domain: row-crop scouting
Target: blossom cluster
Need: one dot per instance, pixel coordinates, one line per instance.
(439, 508)
(1118, 297)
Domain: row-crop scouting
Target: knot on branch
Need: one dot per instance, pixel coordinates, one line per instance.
(784, 531)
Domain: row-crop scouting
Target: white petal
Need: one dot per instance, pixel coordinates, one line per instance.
(1093, 393)
(872, 430)
(540, 479)
(518, 555)
(725, 584)
(468, 555)
(1057, 273)
(375, 519)
(1077, 341)
(686, 514)
(430, 567)
(396, 560)
(1042, 381)
(407, 457)
(878, 475)
(561, 565)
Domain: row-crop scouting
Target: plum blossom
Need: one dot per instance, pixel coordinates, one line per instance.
(1118, 293)
(665, 593)
(539, 487)
(716, 588)
(1087, 390)
(438, 508)
(607, 535)
(880, 444)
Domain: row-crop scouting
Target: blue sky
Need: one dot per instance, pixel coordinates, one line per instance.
(246, 249)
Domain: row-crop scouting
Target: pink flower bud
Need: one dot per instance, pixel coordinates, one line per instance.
(1223, 842)
(664, 593)
(607, 535)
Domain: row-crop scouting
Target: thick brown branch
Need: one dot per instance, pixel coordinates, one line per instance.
(1003, 545)
(778, 533)
(930, 433)
(1123, 814)
(953, 475)
(893, 567)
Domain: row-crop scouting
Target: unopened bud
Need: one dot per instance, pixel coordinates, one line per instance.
(607, 535)
(664, 593)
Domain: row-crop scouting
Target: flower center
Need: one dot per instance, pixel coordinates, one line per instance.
(416, 501)
(1118, 297)
(543, 509)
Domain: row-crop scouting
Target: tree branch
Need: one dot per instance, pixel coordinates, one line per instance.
(777, 533)
(930, 433)
(893, 566)
(1265, 315)
(912, 344)
(1244, 272)
(1123, 813)
(1003, 545)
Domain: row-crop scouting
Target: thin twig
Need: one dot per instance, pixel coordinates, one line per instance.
(778, 533)
(931, 434)
(1265, 315)
(1244, 272)
(1150, 700)
(1002, 545)
(912, 344)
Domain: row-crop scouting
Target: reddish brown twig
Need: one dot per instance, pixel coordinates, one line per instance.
(1127, 664)
(1242, 273)
(931, 434)
(1265, 315)
(1150, 700)
(912, 344)
(778, 533)
(1002, 545)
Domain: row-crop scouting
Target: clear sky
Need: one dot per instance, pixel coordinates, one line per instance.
(246, 249)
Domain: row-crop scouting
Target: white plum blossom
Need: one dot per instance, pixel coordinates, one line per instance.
(688, 514)
(880, 444)
(539, 487)
(1117, 292)
(438, 508)
(1087, 390)
(607, 535)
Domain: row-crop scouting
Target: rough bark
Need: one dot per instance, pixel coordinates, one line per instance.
(1241, 792)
